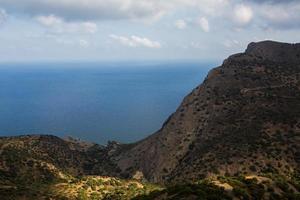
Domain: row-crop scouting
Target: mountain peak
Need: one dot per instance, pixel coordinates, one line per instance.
(275, 51)
(244, 112)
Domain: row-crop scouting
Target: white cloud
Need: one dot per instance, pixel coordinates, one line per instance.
(242, 14)
(281, 17)
(3, 16)
(207, 7)
(58, 25)
(90, 27)
(197, 45)
(135, 41)
(63, 41)
(204, 24)
(50, 20)
(180, 24)
(84, 43)
(273, 1)
(231, 43)
(76, 10)
(69, 42)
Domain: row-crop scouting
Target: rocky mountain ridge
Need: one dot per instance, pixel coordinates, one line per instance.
(244, 118)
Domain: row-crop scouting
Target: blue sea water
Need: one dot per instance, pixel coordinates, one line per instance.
(94, 101)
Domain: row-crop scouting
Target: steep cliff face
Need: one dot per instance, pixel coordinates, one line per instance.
(244, 118)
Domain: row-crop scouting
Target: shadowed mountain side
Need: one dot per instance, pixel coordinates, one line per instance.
(244, 118)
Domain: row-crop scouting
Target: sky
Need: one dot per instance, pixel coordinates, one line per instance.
(95, 30)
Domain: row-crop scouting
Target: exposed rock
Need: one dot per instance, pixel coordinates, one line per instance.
(275, 51)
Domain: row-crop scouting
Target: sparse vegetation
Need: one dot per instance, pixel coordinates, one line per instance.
(243, 121)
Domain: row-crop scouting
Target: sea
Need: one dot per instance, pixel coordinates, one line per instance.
(94, 101)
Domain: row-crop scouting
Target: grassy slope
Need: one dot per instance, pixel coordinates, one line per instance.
(268, 186)
(87, 187)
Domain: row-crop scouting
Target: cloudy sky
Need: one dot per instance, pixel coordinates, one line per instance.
(35, 30)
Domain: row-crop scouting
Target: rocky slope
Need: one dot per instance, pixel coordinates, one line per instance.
(238, 133)
(244, 118)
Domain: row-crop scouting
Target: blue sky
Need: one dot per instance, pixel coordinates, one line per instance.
(91, 30)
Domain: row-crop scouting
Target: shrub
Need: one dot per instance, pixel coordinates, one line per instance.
(82, 195)
(252, 168)
(240, 193)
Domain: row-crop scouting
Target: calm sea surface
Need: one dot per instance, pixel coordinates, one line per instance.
(94, 101)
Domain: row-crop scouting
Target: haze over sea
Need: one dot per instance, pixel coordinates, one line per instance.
(122, 101)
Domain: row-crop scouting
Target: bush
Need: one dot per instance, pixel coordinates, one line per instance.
(252, 168)
(241, 193)
(82, 195)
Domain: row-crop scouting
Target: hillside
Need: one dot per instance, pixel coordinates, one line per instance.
(237, 135)
(24, 155)
(244, 118)
(47, 167)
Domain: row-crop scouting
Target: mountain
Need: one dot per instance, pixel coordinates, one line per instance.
(48, 167)
(237, 135)
(244, 118)
(40, 154)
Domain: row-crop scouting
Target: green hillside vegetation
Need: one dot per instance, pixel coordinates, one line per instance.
(108, 188)
(83, 188)
(28, 170)
(222, 188)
